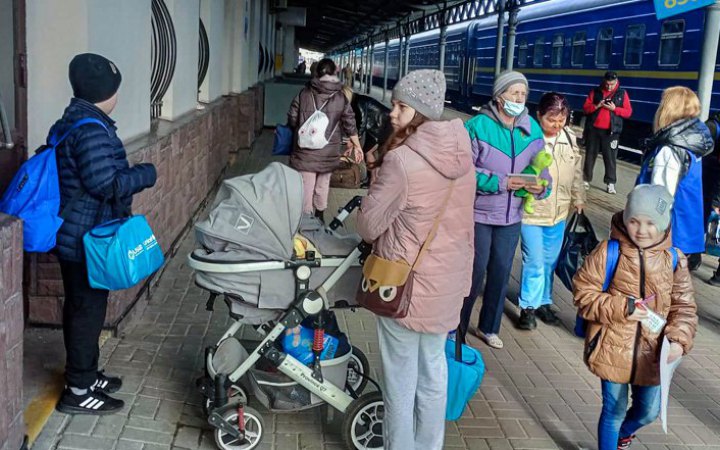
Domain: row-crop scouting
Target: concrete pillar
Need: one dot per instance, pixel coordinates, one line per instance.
(385, 67)
(513, 9)
(288, 49)
(181, 96)
(708, 58)
(213, 16)
(237, 45)
(500, 32)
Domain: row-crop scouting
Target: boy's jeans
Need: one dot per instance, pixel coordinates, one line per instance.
(616, 421)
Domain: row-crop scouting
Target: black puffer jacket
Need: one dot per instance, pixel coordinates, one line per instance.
(373, 121)
(683, 136)
(93, 167)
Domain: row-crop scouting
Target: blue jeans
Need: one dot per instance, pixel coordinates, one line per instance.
(616, 420)
(494, 251)
(540, 250)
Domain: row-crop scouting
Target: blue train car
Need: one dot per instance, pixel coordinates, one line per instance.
(566, 46)
(378, 66)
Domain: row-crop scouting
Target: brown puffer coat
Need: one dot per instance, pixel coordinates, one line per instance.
(340, 115)
(624, 351)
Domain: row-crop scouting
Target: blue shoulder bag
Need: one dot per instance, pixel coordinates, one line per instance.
(465, 373)
(121, 253)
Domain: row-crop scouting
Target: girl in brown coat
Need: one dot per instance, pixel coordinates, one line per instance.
(620, 348)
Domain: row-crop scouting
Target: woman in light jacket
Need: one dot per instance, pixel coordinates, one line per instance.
(542, 232)
(422, 160)
(316, 165)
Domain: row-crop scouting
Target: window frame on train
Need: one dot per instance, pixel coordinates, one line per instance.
(558, 50)
(638, 51)
(598, 41)
(666, 36)
(579, 40)
(538, 50)
(522, 53)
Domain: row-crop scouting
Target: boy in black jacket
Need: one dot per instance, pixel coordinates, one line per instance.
(96, 185)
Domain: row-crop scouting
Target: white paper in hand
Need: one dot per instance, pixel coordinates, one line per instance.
(666, 373)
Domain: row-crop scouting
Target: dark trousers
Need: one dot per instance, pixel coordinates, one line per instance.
(494, 251)
(83, 318)
(597, 141)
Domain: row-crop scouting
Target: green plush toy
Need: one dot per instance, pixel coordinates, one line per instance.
(542, 161)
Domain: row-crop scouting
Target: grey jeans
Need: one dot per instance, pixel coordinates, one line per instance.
(415, 387)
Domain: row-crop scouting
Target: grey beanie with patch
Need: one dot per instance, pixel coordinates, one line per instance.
(424, 91)
(507, 79)
(652, 201)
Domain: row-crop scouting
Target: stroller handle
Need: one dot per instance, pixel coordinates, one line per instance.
(345, 211)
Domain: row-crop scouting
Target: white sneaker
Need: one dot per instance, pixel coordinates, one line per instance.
(611, 189)
(493, 340)
(586, 185)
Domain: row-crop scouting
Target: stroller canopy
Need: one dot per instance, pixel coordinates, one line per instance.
(256, 214)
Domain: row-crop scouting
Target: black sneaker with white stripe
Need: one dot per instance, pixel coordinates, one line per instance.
(93, 402)
(107, 384)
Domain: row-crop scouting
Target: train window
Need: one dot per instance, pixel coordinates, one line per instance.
(634, 44)
(539, 52)
(603, 49)
(671, 42)
(522, 53)
(578, 49)
(557, 50)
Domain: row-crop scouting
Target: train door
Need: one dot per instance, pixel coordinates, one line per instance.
(468, 61)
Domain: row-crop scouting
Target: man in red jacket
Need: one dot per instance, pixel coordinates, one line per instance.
(606, 107)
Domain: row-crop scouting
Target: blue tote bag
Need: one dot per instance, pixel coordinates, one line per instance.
(465, 373)
(121, 253)
(283, 140)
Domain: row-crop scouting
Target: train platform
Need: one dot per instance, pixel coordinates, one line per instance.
(537, 393)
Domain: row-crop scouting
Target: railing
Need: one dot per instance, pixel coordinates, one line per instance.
(164, 55)
(203, 54)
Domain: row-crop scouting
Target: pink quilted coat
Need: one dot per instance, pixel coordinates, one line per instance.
(399, 211)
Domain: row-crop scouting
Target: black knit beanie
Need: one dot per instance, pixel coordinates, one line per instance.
(93, 78)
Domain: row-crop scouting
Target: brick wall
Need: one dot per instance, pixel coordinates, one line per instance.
(12, 427)
(190, 155)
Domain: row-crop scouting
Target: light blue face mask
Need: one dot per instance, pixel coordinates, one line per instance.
(513, 109)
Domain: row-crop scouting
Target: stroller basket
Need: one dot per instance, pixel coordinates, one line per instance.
(278, 392)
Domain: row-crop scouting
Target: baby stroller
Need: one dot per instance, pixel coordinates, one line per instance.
(252, 256)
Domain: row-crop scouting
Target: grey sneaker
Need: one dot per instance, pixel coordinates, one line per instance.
(586, 185)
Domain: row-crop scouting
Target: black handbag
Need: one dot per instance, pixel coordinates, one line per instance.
(579, 241)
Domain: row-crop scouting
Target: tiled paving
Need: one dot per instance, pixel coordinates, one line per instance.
(537, 394)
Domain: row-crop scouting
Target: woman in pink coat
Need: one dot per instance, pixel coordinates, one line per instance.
(421, 162)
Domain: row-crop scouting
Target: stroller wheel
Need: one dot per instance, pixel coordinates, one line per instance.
(235, 394)
(358, 369)
(363, 422)
(254, 429)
